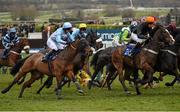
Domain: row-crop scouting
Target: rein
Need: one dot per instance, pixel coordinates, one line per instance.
(150, 51)
(169, 51)
(73, 47)
(14, 52)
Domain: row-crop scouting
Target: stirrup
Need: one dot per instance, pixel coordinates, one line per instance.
(44, 59)
(4, 57)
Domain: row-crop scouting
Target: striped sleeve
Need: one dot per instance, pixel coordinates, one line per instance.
(5, 41)
(16, 40)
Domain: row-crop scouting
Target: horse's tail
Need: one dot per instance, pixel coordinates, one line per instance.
(18, 65)
(95, 58)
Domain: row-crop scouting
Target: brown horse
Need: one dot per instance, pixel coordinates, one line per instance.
(81, 61)
(14, 54)
(145, 60)
(59, 67)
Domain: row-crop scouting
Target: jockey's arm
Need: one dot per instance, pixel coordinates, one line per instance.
(6, 42)
(136, 39)
(16, 40)
(58, 39)
(116, 40)
(140, 33)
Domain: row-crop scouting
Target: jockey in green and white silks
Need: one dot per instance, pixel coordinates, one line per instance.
(122, 38)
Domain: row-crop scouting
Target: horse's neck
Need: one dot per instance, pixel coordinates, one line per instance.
(153, 45)
(68, 53)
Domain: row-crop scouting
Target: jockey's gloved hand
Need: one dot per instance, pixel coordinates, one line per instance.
(11, 44)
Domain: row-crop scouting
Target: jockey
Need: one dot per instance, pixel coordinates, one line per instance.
(142, 32)
(172, 29)
(59, 40)
(124, 36)
(9, 40)
(81, 32)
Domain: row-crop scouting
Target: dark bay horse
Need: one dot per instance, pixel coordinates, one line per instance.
(99, 60)
(15, 53)
(145, 60)
(171, 64)
(61, 66)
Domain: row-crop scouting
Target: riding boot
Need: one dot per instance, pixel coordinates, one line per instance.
(46, 57)
(5, 54)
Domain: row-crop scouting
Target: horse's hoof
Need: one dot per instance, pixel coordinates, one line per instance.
(4, 91)
(59, 97)
(38, 92)
(168, 84)
(20, 96)
(109, 89)
(128, 92)
(89, 84)
(81, 92)
(20, 82)
(138, 93)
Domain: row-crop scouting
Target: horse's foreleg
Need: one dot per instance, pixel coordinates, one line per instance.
(121, 79)
(28, 83)
(71, 76)
(92, 79)
(59, 79)
(148, 75)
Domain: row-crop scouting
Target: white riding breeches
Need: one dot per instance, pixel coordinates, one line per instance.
(51, 44)
(135, 38)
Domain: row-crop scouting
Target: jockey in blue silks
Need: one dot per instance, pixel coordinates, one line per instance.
(81, 32)
(9, 40)
(59, 40)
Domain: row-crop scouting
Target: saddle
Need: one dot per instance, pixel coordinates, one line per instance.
(131, 50)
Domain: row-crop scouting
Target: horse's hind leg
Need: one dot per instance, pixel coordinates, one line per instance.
(28, 83)
(136, 82)
(44, 84)
(175, 79)
(21, 81)
(16, 79)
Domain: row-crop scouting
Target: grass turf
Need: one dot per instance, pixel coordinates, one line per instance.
(157, 99)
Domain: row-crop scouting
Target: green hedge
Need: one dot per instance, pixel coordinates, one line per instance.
(38, 27)
(93, 26)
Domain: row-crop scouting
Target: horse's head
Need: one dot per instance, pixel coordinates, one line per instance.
(94, 40)
(82, 45)
(163, 35)
(22, 45)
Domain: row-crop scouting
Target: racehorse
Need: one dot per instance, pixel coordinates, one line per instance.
(172, 63)
(80, 59)
(60, 67)
(15, 53)
(99, 60)
(168, 65)
(145, 60)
